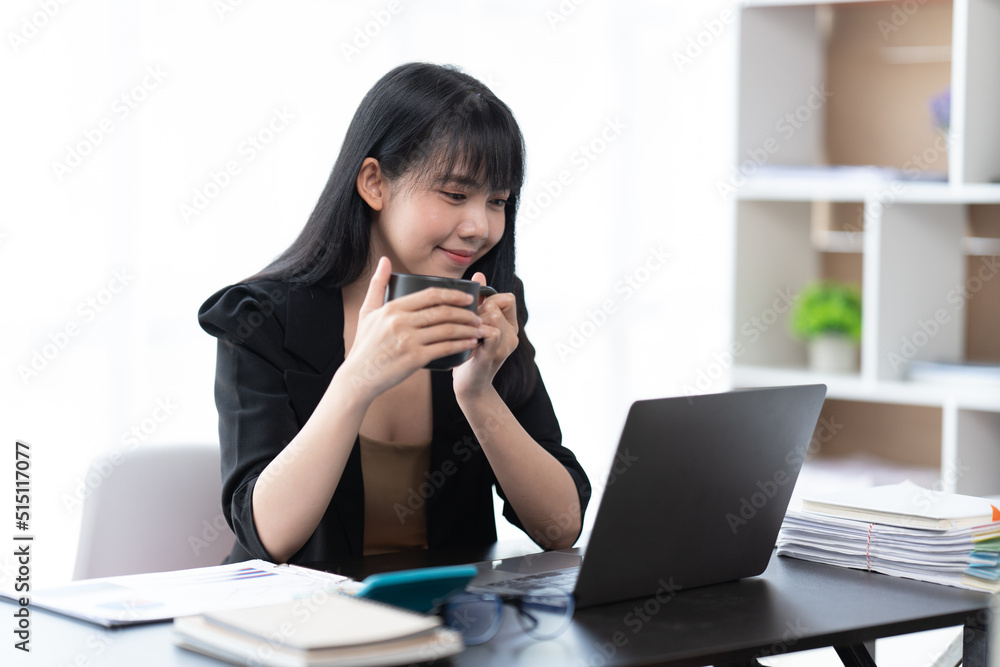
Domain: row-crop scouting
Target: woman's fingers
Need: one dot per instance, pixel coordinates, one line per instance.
(500, 311)
(446, 348)
(376, 286)
(407, 333)
(433, 296)
(434, 315)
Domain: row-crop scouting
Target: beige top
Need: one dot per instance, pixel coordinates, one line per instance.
(395, 509)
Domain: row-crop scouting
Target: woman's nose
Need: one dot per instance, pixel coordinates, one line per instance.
(475, 225)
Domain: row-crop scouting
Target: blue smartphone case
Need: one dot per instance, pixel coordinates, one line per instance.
(418, 590)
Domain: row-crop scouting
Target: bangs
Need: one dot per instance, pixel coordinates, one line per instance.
(478, 145)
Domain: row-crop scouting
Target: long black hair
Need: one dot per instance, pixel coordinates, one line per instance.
(429, 121)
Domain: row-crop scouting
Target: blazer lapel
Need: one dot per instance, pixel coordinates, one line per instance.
(314, 332)
(314, 328)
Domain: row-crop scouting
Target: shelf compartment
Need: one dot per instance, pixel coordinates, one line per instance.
(981, 290)
(907, 435)
(854, 87)
(975, 93)
(782, 246)
(973, 468)
(774, 259)
(917, 262)
(879, 112)
(856, 83)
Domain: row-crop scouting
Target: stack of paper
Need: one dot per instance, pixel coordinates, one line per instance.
(335, 630)
(143, 598)
(901, 530)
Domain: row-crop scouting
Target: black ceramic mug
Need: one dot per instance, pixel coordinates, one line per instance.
(401, 284)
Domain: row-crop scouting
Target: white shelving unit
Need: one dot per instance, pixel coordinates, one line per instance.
(825, 89)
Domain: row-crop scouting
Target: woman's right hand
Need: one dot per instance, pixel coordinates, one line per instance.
(402, 336)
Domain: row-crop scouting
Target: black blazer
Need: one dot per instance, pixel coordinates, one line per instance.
(279, 347)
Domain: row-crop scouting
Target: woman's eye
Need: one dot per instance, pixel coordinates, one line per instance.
(456, 196)
(499, 202)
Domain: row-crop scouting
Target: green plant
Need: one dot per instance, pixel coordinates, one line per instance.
(827, 307)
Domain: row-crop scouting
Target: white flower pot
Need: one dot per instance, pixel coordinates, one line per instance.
(832, 353)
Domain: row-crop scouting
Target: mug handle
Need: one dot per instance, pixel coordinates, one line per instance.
(485, 291)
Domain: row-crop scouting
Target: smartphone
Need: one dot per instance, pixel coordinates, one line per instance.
(418, 590)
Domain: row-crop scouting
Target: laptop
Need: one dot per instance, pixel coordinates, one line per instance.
(695, 496)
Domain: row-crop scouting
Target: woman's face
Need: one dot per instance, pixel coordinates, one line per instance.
(437, 230)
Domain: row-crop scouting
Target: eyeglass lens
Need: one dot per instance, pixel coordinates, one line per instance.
(545, 614)
(476, 617)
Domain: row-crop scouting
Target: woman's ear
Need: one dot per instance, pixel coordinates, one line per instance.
(370, 185)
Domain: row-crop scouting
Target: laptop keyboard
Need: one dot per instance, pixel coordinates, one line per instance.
(561, 579)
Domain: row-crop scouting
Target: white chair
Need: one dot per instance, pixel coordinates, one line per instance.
(153, 509)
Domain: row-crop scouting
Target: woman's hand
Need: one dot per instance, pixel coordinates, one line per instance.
(396, 339)
(499, 316)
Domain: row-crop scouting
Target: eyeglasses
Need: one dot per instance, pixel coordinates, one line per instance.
(543, 614)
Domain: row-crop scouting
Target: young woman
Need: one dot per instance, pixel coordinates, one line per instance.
(336, 442)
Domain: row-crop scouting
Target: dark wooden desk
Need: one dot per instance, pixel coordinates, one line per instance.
(793, 606)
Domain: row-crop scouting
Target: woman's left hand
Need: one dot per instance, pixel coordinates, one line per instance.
(499, 315)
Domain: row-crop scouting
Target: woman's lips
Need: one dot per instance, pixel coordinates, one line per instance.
(461, 257)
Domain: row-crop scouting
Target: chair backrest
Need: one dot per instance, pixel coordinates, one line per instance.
(153, 509)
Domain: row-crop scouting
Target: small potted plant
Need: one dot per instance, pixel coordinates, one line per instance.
(827, 315)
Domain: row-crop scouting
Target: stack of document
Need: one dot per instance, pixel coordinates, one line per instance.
(333, 630)
(901, 530)
(160, 596)
(964, 373)
(258, 613)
